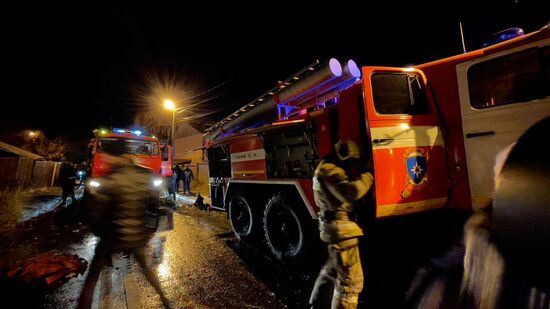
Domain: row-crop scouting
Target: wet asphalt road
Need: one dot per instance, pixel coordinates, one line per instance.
(191, 254)
(200, 264)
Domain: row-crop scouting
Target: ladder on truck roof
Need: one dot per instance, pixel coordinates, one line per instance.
(310, 87)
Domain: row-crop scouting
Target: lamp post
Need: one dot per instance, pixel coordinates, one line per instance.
(169, 105)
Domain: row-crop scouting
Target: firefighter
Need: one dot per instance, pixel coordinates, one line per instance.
(335, 192)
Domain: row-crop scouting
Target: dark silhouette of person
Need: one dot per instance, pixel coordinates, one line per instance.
(506, 252)
(179, 176)
(171, 185)
(200, 204)
(117, 211)
(67, 180)
(187, 177)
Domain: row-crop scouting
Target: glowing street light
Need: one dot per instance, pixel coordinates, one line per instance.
(32, 134)
(170, 105)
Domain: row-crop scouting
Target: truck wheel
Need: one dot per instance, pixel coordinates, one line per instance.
(240, 217)
(284, 230)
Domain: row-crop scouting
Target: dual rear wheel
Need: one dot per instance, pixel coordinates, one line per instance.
(286, 231)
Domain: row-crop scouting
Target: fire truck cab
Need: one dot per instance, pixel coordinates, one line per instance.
(430, 132)
(145, 149)
(146, 152)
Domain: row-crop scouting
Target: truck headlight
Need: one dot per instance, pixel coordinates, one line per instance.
(157, 182)
(94, 183)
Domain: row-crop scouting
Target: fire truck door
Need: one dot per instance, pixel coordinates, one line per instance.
(410, 167)
(501, 96)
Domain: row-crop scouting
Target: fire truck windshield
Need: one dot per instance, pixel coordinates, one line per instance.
(136, 147)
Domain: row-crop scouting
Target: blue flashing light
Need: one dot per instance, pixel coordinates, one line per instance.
(128, 131)
(504, 35)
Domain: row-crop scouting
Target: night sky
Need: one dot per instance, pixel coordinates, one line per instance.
(68, 67)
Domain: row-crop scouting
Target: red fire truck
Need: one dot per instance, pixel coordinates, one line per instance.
(145, 149)
(431, 131)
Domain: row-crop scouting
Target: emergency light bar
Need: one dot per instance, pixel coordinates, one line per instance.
(121, 131)
(504, 35)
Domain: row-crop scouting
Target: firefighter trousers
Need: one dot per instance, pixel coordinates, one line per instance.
(343, 272)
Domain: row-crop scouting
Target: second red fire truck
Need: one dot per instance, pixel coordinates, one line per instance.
(145, 150)
(431, 132)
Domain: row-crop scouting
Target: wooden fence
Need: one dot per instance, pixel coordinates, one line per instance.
(45, 174)
(25, 173)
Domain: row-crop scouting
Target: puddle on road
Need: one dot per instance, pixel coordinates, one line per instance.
(40, 204)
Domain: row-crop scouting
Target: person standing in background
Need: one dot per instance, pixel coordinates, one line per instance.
(187, 177)
(179, 174)
(171, 185)
(67, 179)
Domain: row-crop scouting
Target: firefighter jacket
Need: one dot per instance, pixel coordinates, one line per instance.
(334, 194)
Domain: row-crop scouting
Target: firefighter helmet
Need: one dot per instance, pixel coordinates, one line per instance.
(346, 149)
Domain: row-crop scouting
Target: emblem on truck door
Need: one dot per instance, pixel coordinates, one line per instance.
(416, 163)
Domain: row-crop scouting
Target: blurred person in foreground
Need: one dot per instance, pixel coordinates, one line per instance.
(507, 245)
(117, 214)
(338, 182)
(506, 252)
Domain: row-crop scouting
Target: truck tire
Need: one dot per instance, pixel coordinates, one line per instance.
(285, 230)
(241, 217)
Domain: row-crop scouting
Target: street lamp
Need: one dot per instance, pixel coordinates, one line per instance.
(169, 105)
(32, 134)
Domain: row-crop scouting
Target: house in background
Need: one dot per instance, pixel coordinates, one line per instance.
(10, 151)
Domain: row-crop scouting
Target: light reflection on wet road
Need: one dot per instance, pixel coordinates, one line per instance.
(194, 264)
(201, 265)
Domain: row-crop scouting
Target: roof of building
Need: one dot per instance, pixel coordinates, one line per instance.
(4, 147)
